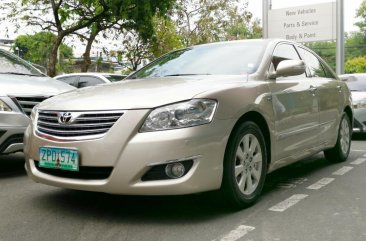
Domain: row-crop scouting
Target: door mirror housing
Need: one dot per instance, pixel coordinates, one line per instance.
(288, 68)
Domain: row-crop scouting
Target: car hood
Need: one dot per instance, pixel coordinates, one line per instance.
(139, 93)
(358, 95)
(24, 85)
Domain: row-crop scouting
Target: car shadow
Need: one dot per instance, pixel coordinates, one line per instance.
(12, 165)
(359, 136)
(133, 209)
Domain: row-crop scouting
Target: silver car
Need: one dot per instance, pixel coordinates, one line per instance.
(357, 85)
(211, 117)
(81, 80)
(21, 88)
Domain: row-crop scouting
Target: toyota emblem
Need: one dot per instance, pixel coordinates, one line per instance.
(65, 118)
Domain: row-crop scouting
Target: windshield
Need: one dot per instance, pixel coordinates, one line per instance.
(234, 58)
(11, 64)
(356, 83)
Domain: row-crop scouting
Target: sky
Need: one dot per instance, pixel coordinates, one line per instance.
(350, 6)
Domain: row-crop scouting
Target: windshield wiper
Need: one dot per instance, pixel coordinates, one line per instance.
(168, 75)
(17, 73)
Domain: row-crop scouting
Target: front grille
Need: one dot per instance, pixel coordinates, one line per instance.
(27, 103)
(81, 125)
(85, 172)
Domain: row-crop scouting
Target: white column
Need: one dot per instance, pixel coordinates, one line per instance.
(340, 38)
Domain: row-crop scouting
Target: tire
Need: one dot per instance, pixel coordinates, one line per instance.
(245, 166)
(340, 151)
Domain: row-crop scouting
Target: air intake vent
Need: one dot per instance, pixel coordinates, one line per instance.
(27, 103)
(76, 125)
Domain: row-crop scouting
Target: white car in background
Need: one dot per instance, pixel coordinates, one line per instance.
(22, 87)
(357, 85)
(80, 80)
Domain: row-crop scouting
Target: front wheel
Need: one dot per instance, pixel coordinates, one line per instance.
(340, 151)
(245, 166)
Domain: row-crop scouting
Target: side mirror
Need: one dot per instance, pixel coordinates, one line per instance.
(288, 68)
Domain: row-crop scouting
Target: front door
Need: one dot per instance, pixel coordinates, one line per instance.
(295, 108)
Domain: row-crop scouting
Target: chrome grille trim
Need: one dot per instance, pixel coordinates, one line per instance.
(28, 102)
(83, 125)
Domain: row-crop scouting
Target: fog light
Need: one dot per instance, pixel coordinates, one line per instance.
(175, 170)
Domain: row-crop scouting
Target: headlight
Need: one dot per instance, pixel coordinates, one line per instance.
(359, 104)
(185, 114)
(4, 107)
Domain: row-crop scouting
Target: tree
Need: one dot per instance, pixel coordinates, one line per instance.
(361, 13)
(241, 24)
(65, 17)
(135, 50)
(36, 48)
(165, 38)
(203, 21)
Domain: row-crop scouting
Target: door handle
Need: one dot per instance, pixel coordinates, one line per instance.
(312, 89)
(339, 88)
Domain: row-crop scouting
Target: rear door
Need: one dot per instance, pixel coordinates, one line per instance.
(329, 94)
(296, 109)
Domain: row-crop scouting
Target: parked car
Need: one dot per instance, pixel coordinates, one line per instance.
(21, 88)
(216, 116)
(357, 84)
(80, 80)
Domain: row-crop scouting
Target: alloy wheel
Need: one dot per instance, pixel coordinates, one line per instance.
(248, 164)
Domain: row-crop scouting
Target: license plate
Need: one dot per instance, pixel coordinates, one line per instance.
(59, 158)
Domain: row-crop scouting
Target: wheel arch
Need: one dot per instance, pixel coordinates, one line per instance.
(349, 112)
(257, 118)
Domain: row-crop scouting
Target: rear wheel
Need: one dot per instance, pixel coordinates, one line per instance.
(340, 151)
(245, 166)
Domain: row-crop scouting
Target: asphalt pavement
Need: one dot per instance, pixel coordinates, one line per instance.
(309, 200)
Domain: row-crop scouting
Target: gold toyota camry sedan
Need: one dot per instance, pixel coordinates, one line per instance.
(216, 116)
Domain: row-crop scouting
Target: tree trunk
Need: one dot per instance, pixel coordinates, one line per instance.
(52, 60)
(86, 56)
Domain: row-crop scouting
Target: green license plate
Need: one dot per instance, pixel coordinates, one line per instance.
(59, 158)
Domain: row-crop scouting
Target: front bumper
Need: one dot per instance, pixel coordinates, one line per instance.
(130, 155)
(12, 127)
(359, 120)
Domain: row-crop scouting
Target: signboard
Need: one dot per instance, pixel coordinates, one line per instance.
(303, 23)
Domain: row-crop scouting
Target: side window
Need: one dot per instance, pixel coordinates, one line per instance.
(313, 63)
(89, 81)
(71, 80)
(284, 52)
(328, 72)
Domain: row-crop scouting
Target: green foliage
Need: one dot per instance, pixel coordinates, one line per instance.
(70, 16)
(36, 48)
(203, 21)
(140, 13)
(356, 65)
(355, 46)
(361, 13)
(326, 50)
(165, 39)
